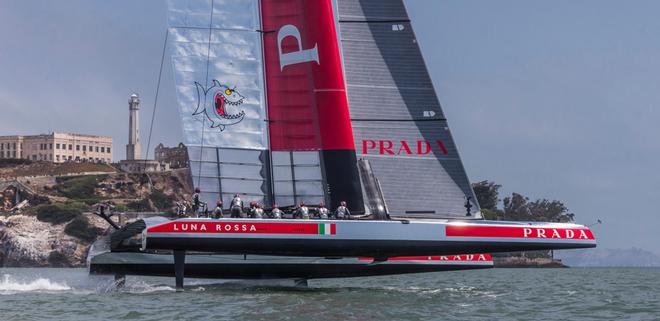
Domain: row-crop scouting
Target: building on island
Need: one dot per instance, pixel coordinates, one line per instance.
(57, 148)
(134, 162)
(176, 157)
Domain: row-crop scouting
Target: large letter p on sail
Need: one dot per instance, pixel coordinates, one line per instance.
(295, 57)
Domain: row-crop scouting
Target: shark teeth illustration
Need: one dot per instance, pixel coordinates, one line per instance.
(212, 102)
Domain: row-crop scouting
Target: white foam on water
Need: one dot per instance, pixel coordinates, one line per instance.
(9, 285)
(141, 287)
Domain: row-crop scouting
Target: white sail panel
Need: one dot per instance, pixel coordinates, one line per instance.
(227, 14)
(232, 62)
(216, 54)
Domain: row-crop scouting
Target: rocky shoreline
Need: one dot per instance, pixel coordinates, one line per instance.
(53, 226)
(27, 242)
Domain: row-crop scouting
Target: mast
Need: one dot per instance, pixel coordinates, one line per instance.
(310, 130)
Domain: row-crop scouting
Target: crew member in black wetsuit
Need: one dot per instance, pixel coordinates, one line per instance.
(236, 207)
(196, 202)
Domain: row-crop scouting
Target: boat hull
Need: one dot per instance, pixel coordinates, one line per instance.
(382, 239)
(225, 266)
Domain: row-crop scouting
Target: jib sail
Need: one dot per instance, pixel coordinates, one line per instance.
(216, 51)
(398, 124)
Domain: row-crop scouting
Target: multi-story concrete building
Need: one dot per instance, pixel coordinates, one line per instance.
(58, 148)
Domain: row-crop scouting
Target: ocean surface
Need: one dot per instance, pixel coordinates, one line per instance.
(498, 294)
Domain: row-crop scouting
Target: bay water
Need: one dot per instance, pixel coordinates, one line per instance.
(496, 294)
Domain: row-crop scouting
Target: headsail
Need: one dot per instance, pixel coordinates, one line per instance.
(398, 123)
(218, 67)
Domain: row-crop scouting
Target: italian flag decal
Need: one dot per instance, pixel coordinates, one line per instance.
(327, 229)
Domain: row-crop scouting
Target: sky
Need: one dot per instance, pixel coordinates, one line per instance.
(551, 99)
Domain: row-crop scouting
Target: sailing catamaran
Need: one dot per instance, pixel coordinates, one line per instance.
(284, 101)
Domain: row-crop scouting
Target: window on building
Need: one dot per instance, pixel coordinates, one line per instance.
(108, 149)
(34, 157)
(84, 148)
(97, 149)
(70, 147)
(2, 154)
(57, 158)
(57, 146)
(50, 146)
(2, 146)
(77, 148)
(14, 146)
(91, 148)
(102, 149)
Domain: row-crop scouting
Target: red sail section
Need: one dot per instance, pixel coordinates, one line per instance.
(306, 92)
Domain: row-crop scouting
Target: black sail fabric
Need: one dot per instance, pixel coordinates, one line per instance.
(398, 123)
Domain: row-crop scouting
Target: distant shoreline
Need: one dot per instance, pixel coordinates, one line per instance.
(523, 262)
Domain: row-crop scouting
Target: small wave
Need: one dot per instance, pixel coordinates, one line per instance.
(8, 284)
(142, 287)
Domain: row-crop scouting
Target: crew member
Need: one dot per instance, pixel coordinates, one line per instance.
(182, 209)
(195, 201)
(342, 212)
(252, 211)
(302, 211)
(323, 211)
(217, 212)
(258, 211)
(276, 213)
(236, 207)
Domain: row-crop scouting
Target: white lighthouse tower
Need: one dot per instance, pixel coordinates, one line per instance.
(133, 151)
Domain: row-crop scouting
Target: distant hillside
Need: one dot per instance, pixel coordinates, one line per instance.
(633, 257)
(10, 169)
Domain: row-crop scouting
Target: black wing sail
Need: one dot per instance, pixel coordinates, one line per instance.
(398, 123)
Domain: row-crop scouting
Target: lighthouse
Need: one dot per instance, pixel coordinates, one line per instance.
(134, 162)
(133, 147)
